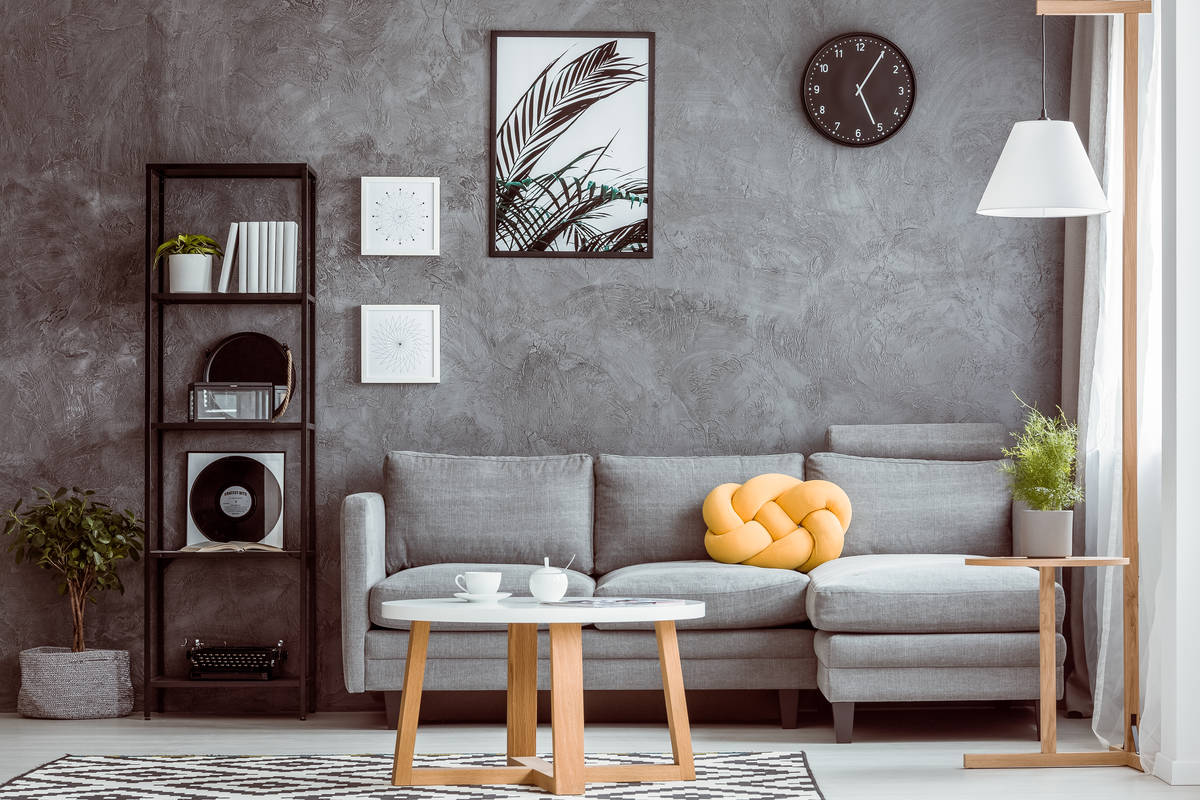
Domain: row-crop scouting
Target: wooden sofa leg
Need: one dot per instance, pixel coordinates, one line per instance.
(843, 722)
(789, 708)
(391, 709)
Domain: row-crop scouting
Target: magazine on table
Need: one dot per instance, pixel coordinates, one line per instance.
(615, 602)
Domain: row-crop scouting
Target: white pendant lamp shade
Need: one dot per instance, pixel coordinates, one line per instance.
(1043, 171)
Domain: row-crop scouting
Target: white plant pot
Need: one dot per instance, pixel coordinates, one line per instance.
(1041, 534)
(190, 272)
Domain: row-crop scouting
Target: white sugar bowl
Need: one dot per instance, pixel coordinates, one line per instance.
(548, 584)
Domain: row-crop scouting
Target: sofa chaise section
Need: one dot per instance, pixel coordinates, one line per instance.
(899, 616)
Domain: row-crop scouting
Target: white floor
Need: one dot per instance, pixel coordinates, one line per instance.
(896, 754)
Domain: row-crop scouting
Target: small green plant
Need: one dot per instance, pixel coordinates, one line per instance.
(1042, 466)
(79, 540)
(188, 244)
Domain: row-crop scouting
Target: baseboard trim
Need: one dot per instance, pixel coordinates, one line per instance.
(1177, 773)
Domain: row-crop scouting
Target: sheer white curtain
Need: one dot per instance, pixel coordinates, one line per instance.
(1097, 247)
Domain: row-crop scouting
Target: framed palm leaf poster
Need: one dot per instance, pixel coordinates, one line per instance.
(572, 144)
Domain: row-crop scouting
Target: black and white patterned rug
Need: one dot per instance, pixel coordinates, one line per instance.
(719, 776)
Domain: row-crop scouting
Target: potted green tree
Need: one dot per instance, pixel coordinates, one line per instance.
(1042, 471)
(81, 542)
(189, 262)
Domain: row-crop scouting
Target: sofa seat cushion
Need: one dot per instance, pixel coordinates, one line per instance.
(648, 507)
(914, 593)
(736, 595)
(437, 580)
(487, 509)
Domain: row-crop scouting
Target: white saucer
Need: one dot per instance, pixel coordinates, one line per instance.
(482, 598)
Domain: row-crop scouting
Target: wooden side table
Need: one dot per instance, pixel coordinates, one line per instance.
(1048, 696)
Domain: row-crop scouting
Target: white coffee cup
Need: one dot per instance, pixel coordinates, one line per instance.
(478, 582)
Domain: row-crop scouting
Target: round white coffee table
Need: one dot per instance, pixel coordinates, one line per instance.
(567, 774)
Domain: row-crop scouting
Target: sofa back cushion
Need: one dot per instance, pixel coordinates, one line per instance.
(488, 509)
(904, 505)
(957, 441)
(648, 507)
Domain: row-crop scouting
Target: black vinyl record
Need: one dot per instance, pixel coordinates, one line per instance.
(235, 499)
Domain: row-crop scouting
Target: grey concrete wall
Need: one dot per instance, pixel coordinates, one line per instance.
(796, 283)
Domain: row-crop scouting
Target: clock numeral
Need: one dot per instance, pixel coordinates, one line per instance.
(817, 89)
(859, 47)
(821, 110)
(836, 125)
(879, 127)
(823, 67)
(858, 133)
(896, 69)
(901, 90)
(895, 112)
(837, 52)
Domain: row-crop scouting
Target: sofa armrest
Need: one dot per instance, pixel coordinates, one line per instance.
(363, 566)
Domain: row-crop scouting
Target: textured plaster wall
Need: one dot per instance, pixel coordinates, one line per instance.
(796, 283)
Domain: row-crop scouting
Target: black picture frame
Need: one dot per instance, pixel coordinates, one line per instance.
(627, 236)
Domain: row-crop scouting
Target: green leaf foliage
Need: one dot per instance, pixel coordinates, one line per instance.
(80, 541)
(188, 244)
(1042, 462)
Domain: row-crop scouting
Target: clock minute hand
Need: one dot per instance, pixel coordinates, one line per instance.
(871, 70)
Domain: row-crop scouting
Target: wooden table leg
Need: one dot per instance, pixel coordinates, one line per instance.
(410, 704)
(1048, 703)
(522, 691)
(677, 713)
(566, 706)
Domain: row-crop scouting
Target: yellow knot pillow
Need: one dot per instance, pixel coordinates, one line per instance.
(776, 521)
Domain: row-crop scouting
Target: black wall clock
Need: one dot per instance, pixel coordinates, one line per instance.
(858, 89)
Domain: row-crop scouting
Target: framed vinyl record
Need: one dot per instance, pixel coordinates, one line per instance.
(235, 497)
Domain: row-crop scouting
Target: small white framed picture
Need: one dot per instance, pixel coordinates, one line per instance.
(401, 344)
(400, 216)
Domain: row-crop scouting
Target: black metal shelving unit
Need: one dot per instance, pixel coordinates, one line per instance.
(159, 177)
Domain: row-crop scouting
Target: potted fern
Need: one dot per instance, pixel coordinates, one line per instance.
(81, 543)
(1042, 471)
(189, 261)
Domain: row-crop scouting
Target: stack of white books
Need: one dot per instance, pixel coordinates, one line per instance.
(265, 253)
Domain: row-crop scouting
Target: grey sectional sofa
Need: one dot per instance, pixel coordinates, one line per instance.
(898, 617)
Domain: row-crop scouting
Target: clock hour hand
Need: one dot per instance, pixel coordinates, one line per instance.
(863, 97)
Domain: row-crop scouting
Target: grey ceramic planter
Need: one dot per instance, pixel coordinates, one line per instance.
(59, 684)
(1041, 534)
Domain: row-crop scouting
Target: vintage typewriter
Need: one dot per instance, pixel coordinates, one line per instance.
(234, 663)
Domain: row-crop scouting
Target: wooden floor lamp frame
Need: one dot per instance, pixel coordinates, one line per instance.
(1129, 10)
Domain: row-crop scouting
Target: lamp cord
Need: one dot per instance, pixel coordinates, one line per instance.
(1044, 114)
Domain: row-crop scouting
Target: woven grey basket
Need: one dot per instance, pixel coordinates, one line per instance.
(59, 684)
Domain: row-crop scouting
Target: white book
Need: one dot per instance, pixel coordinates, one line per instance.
(227, 261)
(263, 264)
(241, 256)
(272, 252)
(281, 246)
(289, 257)
(252, 246)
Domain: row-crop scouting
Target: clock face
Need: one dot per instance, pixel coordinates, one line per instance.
(858, 89)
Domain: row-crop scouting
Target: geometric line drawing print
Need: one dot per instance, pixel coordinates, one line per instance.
(399, 216)
(400, 344)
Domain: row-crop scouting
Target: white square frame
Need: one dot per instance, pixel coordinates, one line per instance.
(367, 371)
(369, 245)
